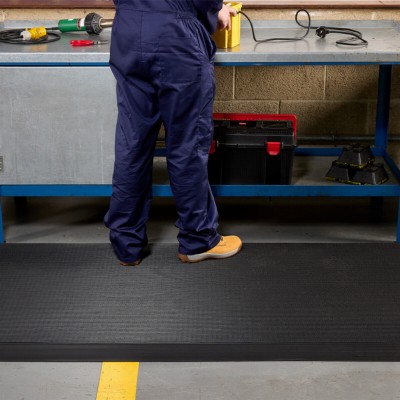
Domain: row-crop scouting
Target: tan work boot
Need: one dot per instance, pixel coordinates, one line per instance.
(227, 247)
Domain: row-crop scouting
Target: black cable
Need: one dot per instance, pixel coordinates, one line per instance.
(284, 38)
(321, 31)
(13, 36)
(355, 40)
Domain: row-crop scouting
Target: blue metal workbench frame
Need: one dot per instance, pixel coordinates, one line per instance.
(380, 147)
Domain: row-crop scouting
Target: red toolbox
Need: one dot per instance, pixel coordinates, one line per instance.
(252, 149)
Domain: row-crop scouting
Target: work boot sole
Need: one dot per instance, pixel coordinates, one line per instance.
(130, 264)
(207, 256)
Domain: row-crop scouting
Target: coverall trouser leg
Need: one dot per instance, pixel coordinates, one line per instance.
(164, 77)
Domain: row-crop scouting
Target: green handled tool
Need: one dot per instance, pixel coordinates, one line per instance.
(93, 23)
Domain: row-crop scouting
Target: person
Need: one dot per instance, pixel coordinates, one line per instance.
(162, 56)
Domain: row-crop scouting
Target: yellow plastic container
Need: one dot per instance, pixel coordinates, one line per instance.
(227, 39)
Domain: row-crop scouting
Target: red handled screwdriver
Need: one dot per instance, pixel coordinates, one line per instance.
(76, 43)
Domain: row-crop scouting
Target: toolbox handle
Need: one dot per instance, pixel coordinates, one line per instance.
(246, 124)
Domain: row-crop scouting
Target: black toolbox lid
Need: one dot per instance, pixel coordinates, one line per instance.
(254, 133)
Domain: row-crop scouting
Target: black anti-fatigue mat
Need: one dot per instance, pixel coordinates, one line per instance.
(270, 302)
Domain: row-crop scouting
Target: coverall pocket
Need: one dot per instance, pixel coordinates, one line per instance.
(180, 60)
(205, 43)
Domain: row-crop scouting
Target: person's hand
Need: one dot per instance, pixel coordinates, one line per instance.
(224, 17)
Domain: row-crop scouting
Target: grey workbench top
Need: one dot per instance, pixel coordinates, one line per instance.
(383, 47)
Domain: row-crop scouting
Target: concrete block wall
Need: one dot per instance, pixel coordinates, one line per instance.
(329, 101)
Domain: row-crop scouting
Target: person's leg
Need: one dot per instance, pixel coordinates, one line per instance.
(135, 138)
(136, 133)
(186, 100)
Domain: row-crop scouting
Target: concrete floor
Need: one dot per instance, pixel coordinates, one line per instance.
(73, 220)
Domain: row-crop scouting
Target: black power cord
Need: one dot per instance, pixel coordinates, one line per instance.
(13, 36)
(321, 31)
(283, 38)
(355, 40)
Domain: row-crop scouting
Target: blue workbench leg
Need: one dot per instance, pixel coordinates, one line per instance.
(1, 225)
(398, 222)
(382, 117)
(383, 106)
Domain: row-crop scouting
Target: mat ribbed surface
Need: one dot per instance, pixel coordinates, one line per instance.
(270, 297)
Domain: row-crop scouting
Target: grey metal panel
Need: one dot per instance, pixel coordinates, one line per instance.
(383, 37)
(57, 125)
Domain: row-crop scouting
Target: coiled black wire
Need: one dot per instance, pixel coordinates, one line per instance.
(321, 31)
(13, 36)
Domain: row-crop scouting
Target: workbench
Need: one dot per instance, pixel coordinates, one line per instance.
(58, 111)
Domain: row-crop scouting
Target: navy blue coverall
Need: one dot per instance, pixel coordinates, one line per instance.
(162, 57)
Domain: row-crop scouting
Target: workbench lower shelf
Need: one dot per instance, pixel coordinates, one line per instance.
(310, 168)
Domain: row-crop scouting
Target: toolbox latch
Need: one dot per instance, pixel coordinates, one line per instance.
(273, 148)
(213, 147)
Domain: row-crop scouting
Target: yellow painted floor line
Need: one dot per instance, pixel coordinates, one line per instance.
(118, 381)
